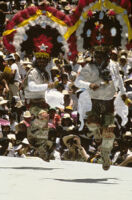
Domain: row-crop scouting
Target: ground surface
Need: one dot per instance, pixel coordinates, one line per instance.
(34, 179)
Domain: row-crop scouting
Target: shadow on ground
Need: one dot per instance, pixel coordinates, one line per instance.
(89, 180)
(29, 168)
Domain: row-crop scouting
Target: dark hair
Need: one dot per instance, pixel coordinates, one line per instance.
(67, 67)
(3, 6)
(63, 123)
(64, 76)
(12, 116)
(45, 73)
(1, 64)
(71, 141)
(60, 85)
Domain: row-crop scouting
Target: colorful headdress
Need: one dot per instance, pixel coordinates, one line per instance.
(39, 30)
(101, 23)
(46, 31)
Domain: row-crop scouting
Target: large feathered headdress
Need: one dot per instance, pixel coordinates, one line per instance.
(101, 23)
(39, 30)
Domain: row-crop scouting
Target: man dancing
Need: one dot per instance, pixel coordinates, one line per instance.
(102, 79)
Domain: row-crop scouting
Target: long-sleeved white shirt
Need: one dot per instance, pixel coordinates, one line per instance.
(90, 74)
(36, 86)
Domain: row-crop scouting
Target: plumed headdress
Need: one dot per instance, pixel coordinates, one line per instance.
(39, 30)
(101, 23)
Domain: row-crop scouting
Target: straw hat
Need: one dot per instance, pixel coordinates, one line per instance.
(10, 57)
(27, 114)
(28, 66)
(129, 80)
(114, 52)
(19, 104)
(123, 51)
(80, 60)
(26, 62)
(123, 57)
(88, 59)
(65, 92)
(61, 1)
(67, 138)
(11, 136)
(2, 54)
(66, 116)
(67, 8)
(3, 101)
(128, 134)
(55, 68)
(16, 53)
(55, 59)
(42, 111)
(17, 127)
(25, 141)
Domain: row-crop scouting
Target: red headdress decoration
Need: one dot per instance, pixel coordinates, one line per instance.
(43, 45)
(37, 29)
(101, 23)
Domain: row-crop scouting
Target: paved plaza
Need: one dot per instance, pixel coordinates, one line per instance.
(34, 179)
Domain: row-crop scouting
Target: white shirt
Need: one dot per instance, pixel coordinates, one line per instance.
(90, 74)
(13, 126)
(36, 85)
(76, 68)
(125, 70)
(17, 74)
(22, 71)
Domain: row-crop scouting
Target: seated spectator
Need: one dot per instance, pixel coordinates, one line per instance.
(21, 131)
(11, 146)
(26, 147)
(13, 122)
(67, 124)
(19, 151)
(127, 162)
(27, 117)
(4, 141)
(18, 107)
(55, 74)
(54, 118)
(75, 150)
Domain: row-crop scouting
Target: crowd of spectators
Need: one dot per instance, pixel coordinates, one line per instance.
(69, 142)
(64, 5)
(9, 7)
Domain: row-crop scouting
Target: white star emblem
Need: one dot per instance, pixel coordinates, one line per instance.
(43, 47)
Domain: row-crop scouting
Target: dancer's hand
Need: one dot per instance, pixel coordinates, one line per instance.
(94, 86)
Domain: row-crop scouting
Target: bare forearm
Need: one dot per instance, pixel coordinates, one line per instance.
(126, 161)
(83, 153)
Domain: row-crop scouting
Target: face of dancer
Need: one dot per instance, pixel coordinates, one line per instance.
(98, 58)
(101, 57)
(42, 63)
